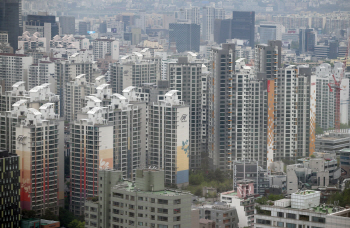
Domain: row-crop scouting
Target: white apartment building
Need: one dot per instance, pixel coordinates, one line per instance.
(103, 46)
(208, 17)
(40, 73)
(76, 91)
(20, 99)
(40, 147)
(14, 68)
(192, 15)
(169, 138)
(133, 70)
(34, 42)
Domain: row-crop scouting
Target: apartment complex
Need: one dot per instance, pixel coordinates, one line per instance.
(220, 215)
(133, 70)
(10, 208)
(143, 203)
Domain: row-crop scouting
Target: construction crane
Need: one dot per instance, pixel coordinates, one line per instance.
(337, 89)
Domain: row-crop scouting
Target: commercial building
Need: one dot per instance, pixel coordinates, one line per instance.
(38, 143)
(307, 40)
(84, 27)
(10, 208)
(67, 23)
(186, 37)
(169, 138)
(143, 203)
(15, 68)
(36, 23)
(269, 31)
(11, 20)
(243, 26)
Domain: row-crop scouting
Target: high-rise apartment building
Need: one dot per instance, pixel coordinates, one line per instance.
(220, 109)
(103, 46)
(185, 36)
(41, 73)
(243, 26)
(91, 150)
(169, 138)
(14, 68)
(109, 137)
(67, 69)
(37, 144)
(186, 77)
(10, 208)
(208, 18)
(11, 20)
(192, 15)
(268, 58)
(67, 24)
(143, 203)
(76, 91)
(133, 70)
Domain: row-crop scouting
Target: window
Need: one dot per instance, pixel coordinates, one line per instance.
(318, 219)
(161, 201)
(177, 210)
(263, 221)
(291, 216)
(291, 225)
(280, 224)
(280, 214)
(304, 217)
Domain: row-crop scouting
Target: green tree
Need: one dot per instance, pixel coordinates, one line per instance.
(65, 217)
(28, 214)
(318, 130)
(76, 224)
(49, 215)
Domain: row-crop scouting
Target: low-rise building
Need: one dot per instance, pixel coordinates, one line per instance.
(345, 163)
(143, 203)
(302, 210)
(332, 142)
(221, 216)
(243, 200)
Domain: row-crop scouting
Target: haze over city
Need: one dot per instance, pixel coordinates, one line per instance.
(174, 114)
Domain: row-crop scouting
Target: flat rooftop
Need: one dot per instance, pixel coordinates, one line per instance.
(128, 186)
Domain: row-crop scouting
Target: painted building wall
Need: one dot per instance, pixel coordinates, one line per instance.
(182, 156)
